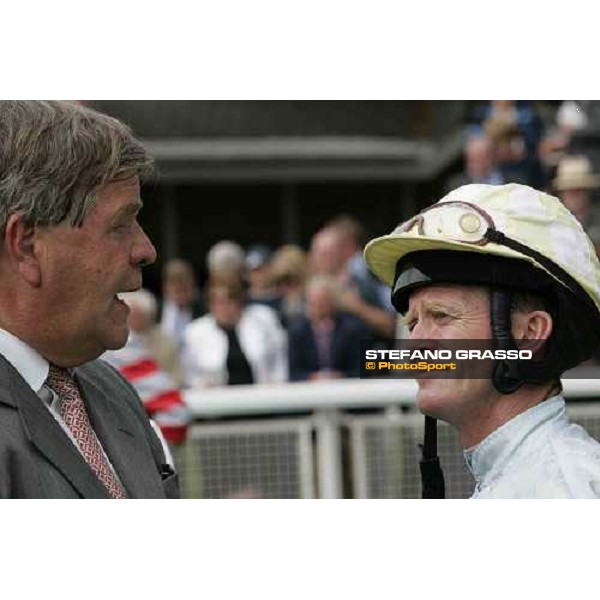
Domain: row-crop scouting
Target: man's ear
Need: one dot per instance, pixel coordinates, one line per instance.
(20, 247)
(531, 329)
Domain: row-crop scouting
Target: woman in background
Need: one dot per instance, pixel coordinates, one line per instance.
(235, 343)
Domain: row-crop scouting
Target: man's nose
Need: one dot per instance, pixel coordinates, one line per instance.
(144, 252)
(418, 332)
(424, 336)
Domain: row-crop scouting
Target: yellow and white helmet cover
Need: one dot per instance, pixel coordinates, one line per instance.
(512, 220)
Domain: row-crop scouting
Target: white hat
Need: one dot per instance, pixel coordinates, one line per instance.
(575, 173)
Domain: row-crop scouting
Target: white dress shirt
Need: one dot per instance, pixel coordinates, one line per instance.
(538, 454)
(34, 369)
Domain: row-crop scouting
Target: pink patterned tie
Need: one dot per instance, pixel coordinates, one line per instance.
(73, 411)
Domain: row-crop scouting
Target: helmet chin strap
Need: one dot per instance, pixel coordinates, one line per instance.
(432, 476)
(505, 377)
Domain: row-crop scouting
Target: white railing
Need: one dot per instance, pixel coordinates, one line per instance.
(348, 393)
(322, 408)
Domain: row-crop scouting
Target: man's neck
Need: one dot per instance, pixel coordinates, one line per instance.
(498, 410)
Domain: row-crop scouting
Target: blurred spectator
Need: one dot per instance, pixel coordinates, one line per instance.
(235, 343)
(140, 366)
(226, 261)
(577, 115)
(326, 343)
(353, 238)
(331, 254)
(570, 118)
(514, 130)
(261, 289)
(326, 253)
(575, 184)
(519, 112)
(142, 323)
(288, 270)
(509, 152)
(480, 165)
(181, 299)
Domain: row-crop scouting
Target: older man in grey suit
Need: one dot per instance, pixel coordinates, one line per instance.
(70, 426)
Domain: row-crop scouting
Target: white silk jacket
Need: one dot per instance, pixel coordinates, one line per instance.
(538, 454)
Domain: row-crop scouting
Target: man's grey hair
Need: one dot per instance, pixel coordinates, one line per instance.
(225, 256)
(55, 156)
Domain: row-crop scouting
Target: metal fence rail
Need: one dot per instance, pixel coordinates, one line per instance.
(326, 452)
(385, 458)
(257, 459)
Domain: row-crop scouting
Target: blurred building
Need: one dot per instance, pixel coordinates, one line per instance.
(275, 171)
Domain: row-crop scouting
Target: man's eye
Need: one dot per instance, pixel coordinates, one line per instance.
(438, 314)
(411, 324)
(122, 226)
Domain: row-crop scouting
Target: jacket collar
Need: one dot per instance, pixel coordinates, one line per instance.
(489, 457)
(46, 435)
(109, 419)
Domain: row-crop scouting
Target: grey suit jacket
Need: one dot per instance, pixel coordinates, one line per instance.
(37, 459)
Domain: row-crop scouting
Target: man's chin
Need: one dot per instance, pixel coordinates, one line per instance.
(432, 397)
(117, 339)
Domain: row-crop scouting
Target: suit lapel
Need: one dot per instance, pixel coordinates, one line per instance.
(122, 441)
(48, 437)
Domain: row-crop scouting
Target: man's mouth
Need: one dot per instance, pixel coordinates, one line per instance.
(119, 299)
